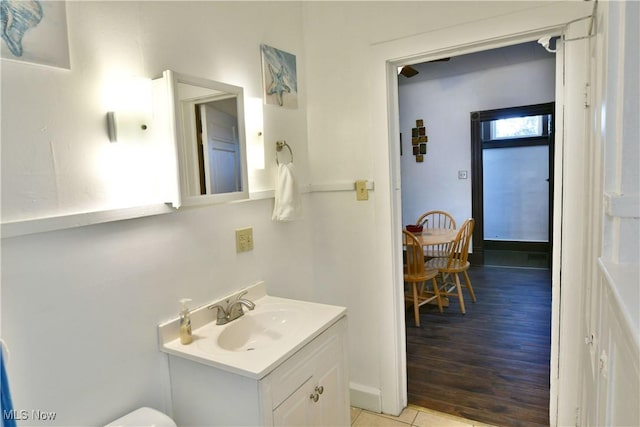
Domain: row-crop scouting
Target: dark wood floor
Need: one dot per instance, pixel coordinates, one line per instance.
(491, 364)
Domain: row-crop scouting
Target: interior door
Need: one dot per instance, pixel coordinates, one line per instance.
(221, 150)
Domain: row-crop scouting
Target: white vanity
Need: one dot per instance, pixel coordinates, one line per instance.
(283, 363)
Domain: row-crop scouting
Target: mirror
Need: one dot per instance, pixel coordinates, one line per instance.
(208, 119)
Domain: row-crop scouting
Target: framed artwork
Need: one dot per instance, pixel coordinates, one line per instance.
(35, 31)
(279, 77)
(423, 148)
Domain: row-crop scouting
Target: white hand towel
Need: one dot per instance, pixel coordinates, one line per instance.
(287, 204)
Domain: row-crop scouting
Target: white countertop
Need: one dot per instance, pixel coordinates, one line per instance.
(307, 321)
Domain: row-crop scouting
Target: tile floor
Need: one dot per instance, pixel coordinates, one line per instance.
(411, 416)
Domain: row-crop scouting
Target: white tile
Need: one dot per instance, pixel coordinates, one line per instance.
(433, 419)
(354, 413)
(407, 415)
(368, 419)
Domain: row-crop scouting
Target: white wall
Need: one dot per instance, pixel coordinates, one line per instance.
(57, 158)
(351, 136)
(95, 283)
(444, 94)
(80, 306)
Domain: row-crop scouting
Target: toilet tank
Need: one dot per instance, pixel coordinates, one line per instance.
(143, 417)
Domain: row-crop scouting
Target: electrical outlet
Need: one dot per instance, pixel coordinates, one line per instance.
(462, 174)
(361, 190)
(244, 239)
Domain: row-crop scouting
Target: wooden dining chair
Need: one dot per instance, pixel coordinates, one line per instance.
(456, 262)
(417, 276)
(436, 219)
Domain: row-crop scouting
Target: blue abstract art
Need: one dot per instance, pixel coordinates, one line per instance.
(279, 77)
(35, 31)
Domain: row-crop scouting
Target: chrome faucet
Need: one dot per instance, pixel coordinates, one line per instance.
(232, 310)
(235, 310)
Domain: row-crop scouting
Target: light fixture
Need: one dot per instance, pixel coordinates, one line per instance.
(132, 123)
(128, 102)
(407, 71)
(112, 129)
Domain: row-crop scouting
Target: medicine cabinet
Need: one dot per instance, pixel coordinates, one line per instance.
(206, 123)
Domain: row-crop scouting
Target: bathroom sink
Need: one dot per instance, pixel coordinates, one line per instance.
(255, 343)
(257, 330)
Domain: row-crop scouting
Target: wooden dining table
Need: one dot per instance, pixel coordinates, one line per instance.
(436, 236)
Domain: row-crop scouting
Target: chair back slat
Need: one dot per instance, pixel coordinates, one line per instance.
(414, 261)
(459, 249)
(436, 219)
(433, 220)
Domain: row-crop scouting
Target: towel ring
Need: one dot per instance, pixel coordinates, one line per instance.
(279, 146)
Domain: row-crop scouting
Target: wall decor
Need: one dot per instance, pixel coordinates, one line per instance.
(419, 140)
(35, 31)
(280, 80)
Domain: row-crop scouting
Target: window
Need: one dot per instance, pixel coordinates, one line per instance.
(516, 131)
(516, 127)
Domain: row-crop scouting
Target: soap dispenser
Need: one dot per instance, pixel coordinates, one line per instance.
(185, 323)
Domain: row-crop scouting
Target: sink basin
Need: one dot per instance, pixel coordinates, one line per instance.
(255, 331)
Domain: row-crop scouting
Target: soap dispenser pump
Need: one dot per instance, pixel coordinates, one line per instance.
(185, 323)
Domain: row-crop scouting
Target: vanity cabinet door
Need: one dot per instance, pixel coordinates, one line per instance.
(297, 410)
(321, 398)
(329, 410)
(320, 401)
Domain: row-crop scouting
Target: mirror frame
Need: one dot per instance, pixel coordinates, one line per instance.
(186, 149)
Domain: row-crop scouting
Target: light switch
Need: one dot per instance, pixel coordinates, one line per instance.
(361, 190)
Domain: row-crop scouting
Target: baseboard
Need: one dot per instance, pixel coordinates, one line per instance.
(365, 397)
(511, 245)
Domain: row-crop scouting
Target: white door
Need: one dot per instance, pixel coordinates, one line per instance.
(570, 313)
(221, 150)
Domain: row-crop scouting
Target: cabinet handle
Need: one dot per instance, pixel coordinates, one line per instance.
(319, 389)
(314, 397)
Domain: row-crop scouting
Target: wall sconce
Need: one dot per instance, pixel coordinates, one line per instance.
(128, 102)
(112, 129)
(112, 126)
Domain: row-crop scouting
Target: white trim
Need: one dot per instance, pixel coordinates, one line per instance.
(364, 397)
(622, 206)
(621, 280)
(337, 186)
(62, 222)
(395, 168)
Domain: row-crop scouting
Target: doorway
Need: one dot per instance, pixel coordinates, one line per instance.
(439, 180)
(512, 158)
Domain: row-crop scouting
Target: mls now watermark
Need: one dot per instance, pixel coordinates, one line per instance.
(28, 415)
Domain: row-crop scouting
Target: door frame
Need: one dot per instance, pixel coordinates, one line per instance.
(477, 170)
(399, 383)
